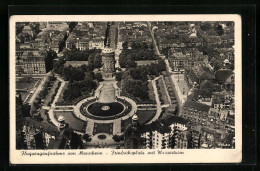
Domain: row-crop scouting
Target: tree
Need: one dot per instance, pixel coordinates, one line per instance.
(86, 137)
(72, 25)
(136, 45)
(119, 76)
(97, 60)
(26, 110)
(125, 45)
(77, 74)
(216, 63)
(130, 64)
(89, 76)
(35, 28)
(50, 56)
(37, 116)
(144, 45)
(117, 138)
(58, 65)
(72, 92)
(98, 77)
(205, 26)
(76, 142)
(122, 59)
(61, 45)
(18, 28)
(219, 30)
(91, 61)
(66, 72)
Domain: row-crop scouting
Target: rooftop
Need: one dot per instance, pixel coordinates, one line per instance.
(76, 63)
(44, 127)
(223, 74)
(196, 106)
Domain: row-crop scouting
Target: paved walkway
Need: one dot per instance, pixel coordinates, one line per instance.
(106, 143)
(116, 122)
(91, 122)
(159, 108)
(166, 91)
(177, 93)
(51, 111)
(182, 97)
(39, 88)
(117, 126)
(89, 128)
(84, 118)
(154, 42)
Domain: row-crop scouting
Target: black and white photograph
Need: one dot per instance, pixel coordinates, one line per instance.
(124, 85)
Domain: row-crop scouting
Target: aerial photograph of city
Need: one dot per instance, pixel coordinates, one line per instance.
(125, 85)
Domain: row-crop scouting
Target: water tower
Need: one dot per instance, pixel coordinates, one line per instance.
(108, 63)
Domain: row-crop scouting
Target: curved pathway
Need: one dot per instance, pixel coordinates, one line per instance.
(90, 121)
(116, 122)
(159, 108)
(51, 111)
(84, 118)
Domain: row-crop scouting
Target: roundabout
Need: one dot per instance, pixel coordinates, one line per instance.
(98, 109)
(102, 137)
(105, 111)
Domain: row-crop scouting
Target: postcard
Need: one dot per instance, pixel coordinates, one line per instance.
(100, 89)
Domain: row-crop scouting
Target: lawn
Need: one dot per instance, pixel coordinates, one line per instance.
(151, 91)
(162, 91)
(74, 122)
(27, 85)
(24, 94)
(113, 109)
(103, 128)
(51, 93)
(125, 123)
(145, 115)
(23, 84)
(182, 84)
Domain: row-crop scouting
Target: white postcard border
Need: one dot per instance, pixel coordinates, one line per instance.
(189, 156)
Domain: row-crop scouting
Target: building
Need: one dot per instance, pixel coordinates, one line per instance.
(146, 62)
(60, 26)
(131, 137)
(96, 44)
(28, 30)
(166, 134)
(82, 43)
(54, 46)
(225, 77)
(195, 136)
(181, 61)
(30, 63)
(34, 134)
(195, 112)
(64, 138)
(198, 74)
(76, 63)
(202, 96)
(108, 63)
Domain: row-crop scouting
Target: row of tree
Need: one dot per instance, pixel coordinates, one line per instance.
(134, 81)
(136, 53)
(93, 57)
(22, 110)
(136, 88)
(77, 88)
(76, 55)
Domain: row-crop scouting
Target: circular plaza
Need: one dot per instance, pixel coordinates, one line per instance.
(105, 111)
(106, 106)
